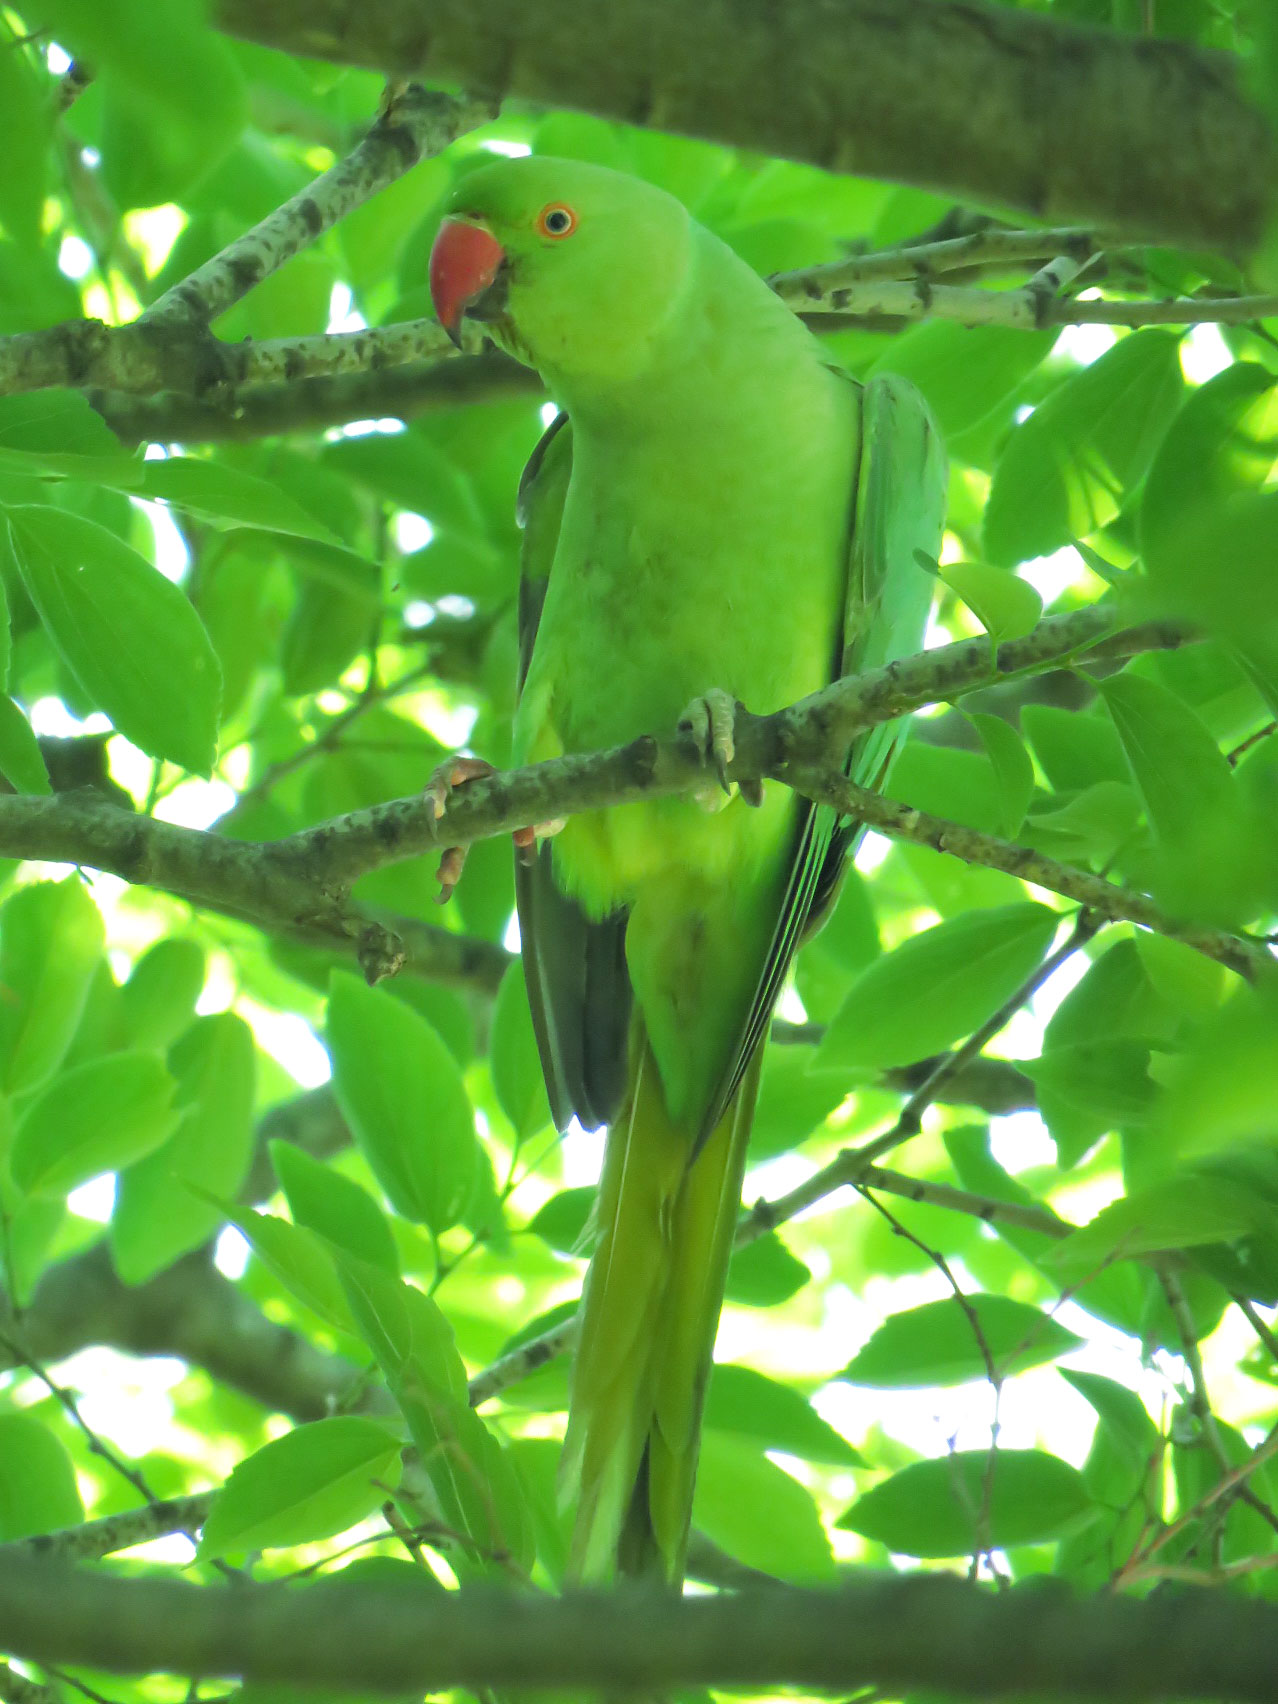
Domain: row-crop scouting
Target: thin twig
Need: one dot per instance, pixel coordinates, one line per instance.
(416, 122)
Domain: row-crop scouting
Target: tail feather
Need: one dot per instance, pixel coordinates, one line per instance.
(649, 1315)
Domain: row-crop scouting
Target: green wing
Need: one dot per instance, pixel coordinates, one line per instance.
(575, 969)
(898, 510)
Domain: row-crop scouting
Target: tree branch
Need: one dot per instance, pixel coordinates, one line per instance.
(897, 1634)
(234, 412)
(92, 1540)
(973, 100)
(300, 884)
(189, 1311)
(904, 822)
(170, 346)
(414, 123)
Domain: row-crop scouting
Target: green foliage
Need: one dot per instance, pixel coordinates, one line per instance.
(261, 624)
(950, 1342)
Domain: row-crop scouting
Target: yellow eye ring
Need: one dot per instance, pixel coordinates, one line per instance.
(556, 221)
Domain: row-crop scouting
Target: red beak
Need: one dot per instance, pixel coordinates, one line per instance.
(463, 263)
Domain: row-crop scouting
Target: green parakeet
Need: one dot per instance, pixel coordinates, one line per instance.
(718, 510)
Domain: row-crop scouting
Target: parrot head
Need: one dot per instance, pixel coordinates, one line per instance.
(574, 268)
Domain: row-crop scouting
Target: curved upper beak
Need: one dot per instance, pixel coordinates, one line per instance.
(464, 263)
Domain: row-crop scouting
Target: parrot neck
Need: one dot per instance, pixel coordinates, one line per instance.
(728, 339)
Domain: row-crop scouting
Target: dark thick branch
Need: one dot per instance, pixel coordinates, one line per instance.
(190, 1311)
(974, 100)
(926, 1632)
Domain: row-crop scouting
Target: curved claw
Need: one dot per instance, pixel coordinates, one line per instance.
(710, 722)
(454, 772)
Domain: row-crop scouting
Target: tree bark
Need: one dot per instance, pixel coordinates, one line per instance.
(898, 1635)
(983, 102)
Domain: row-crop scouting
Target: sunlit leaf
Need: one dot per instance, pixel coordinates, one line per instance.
(320, 1198)
(515, 1064)
(50, 947)
(1068, 469)
(743, 1401)
(403, 1097)
(937, 987)
(312, 1482)
(966, 1501)
(735, 1480)
(38, 1491)
(158, 1215)
(950, 1342)
(1007, 608)
(93, 1118)
(1181, 1213)
(129, 636)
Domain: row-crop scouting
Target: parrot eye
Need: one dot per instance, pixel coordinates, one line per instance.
(556, 220)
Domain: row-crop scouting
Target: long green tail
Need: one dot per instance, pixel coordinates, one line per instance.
(649, 1316)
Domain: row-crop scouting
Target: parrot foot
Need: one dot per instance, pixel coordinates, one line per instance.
(709, 722)
(456, 772)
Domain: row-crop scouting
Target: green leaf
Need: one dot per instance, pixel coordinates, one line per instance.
(744, 1402)
(227, 496)
(514, 1060)
(50, 948)
(562, 1221)
(959, 785)
(478, 1491)
(1213, 858)
(25, 101)
(1106, 1081)
(5, 633)
(937, 1343)
(55, 422)
(937, 987)
(128, 635)
(794, 1100)
(1220, 444)
(38, 1491)
(1183, 1212)
(333, 619)
(313, 1482)
(1123, 1415)
(764, 1273)
(1224, 1089)
(173, 96)
(91, 1119)
(736, 1484)
(1068, 469)
(334, 1206)
(1005, 606)
(1096, 823)
(964, 372)
(1114, 998)
(403, 1097)
(1187, 980)
(299, 1259)
(962, 1502)
(1074, 749)
(1006, 751)
(158, 1001)
(21, 760)
(157, 1215)
(1176, 764)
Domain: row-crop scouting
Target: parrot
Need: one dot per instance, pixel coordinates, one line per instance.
(718, 514)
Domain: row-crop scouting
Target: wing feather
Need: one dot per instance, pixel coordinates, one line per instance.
(898, 482)
(578, 984)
